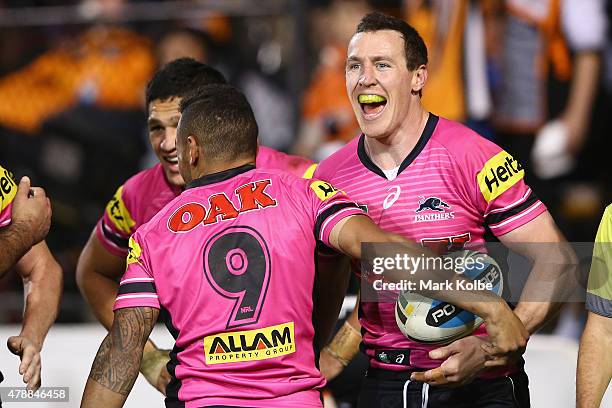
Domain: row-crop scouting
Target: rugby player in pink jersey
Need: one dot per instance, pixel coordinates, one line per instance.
(103, 259)
(436, 182)
(231, 261)
(25, 218)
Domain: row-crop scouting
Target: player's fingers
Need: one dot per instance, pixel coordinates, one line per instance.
(32, 374)
(420, 376)
(437, 376)
(497, 362)
(442, 352)
(28, 359)
(450, 368)
(434, 376)
(37, 192)
(34, 384)
(24, 187)
(14, 344)
(492, 360)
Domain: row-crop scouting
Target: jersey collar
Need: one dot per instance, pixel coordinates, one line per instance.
(430, 126)
(219, 176)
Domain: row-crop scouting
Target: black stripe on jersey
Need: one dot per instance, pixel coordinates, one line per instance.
(329, 212)
(114, 238)
(325, 250)
(496, 218)
(219, 176)
(430, 126)
(174, 386)
(137, 287)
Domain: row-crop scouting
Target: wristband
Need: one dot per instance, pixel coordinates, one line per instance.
(345, 344)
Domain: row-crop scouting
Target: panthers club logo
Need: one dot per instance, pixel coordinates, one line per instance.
(433, 209)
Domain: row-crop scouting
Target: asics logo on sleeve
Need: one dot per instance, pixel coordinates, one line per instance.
(392, 197)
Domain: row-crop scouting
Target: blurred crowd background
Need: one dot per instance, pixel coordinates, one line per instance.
(533, 75)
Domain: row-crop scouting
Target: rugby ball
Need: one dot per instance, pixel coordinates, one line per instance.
(431, 321)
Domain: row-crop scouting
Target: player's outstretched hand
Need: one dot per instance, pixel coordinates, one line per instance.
(31, 212)
(29, 352)
(507, 337)
(329, 366)
(153, 367)
(463, 360)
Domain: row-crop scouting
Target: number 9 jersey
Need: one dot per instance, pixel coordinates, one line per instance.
(232, 261)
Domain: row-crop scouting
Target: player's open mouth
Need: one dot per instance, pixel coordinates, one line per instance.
(372, 105)
(173, 162)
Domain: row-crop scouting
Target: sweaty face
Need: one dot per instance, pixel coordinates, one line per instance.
(378, 82)
(162, 122)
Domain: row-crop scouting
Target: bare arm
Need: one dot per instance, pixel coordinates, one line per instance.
(507, 334)
(31, 218)
(542, 243)
(117, 362)
(343, 347)
(42, 279)
(594, 361)
(97, 274)
(15, 242)
(581, 97)
(331, 289)
(352, 231)
(554, 263)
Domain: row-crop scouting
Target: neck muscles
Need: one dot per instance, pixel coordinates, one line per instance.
(389, 152)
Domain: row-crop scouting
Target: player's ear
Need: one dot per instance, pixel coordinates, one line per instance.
(194, 151)
(419, 77)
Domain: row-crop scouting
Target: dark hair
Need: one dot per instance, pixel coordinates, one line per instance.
(222, 120)
(414, 46)
(179, 77)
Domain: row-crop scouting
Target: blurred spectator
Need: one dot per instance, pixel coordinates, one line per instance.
(105, 66)
(549, 66)
(547, 94)
(260, 54)
(181, 43)
(458, 35)
(327, 117)
(441, 24)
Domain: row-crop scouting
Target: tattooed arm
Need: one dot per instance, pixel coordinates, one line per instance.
(116, 366)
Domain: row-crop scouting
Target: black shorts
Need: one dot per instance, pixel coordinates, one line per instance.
(386, 389)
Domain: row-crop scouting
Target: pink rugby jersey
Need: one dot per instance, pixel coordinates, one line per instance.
(147, 192)
(231, 261)
(452, 185)
(8, 189)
